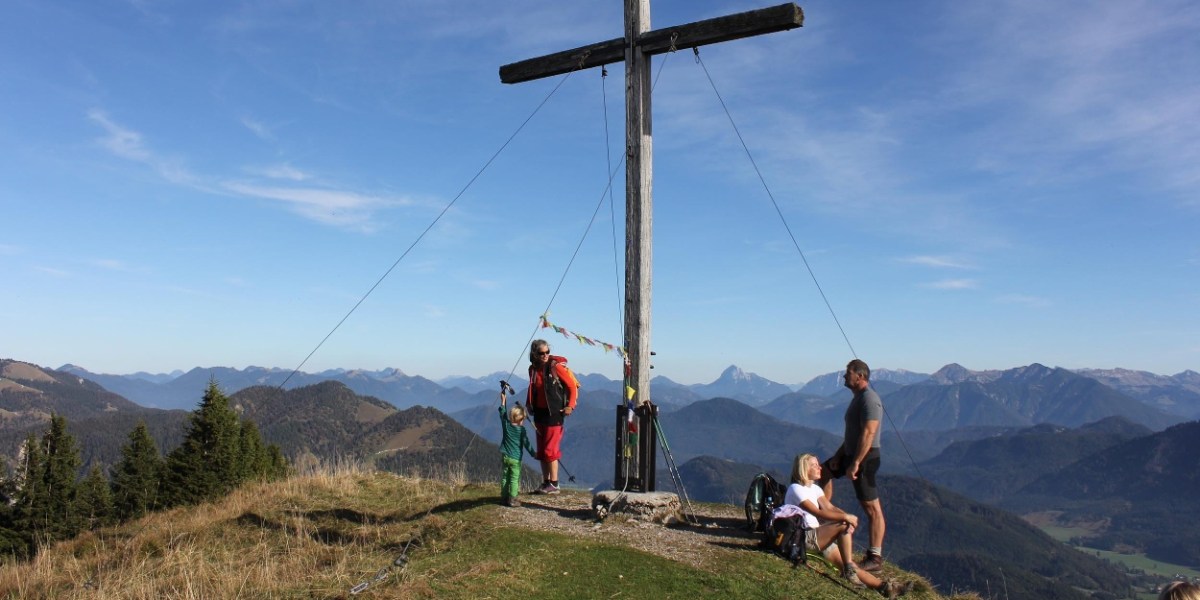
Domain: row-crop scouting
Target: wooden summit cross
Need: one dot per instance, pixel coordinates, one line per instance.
(636, 48)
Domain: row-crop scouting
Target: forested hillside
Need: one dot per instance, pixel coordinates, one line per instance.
(1142, 490)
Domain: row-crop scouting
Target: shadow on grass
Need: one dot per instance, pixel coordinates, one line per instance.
(324, 535)
(579, 514)
(331, 526)
(460, 506)
(347, 515)
(724, 527)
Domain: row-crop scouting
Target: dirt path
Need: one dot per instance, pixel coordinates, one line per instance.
(721, 530)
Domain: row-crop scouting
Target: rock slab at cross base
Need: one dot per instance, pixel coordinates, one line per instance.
(659, 507)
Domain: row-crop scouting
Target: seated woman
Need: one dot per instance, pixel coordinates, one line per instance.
(828, 524)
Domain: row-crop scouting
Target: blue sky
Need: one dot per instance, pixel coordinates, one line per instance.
(219, 183)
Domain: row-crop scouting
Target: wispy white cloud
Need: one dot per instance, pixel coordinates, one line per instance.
(150, 11)
(423, 266)
(123, 142)
(53, 271)
(1049, 93)
(953, 284)
(1091, 91)
(329, 206)
(10, 250)
(191, 291)
(434, 312)
(941, 262)
(1027, 300)
(128, 144)
(282, 171)
(486, 284)
(258, 129)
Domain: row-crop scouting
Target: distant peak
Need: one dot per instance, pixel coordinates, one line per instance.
(1031, 371)
(952, 373)
(733, 372)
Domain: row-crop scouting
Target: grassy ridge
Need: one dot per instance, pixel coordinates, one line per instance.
(321, 535)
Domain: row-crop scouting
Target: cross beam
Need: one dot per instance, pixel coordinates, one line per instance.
(693, 35)
(636, 48)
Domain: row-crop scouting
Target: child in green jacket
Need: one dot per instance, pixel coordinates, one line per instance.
(512, 442)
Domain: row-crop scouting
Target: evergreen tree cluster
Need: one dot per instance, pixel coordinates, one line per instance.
(44, 499)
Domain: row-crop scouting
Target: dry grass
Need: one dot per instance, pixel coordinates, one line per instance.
(315, 535)
(337, 526)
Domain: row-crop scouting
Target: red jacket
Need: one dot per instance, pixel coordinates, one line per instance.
(535, 397)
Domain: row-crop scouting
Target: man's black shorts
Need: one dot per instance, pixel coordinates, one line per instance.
(864, 486)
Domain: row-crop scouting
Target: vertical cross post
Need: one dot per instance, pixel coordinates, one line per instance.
(639, 200)
(636, 48)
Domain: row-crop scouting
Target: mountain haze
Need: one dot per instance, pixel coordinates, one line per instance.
(1177, 394)
(391, 385)
(831, 384)
(992, 468)
(1018, 397)
(740, 385)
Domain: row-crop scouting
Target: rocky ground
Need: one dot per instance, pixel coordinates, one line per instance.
(704, 533)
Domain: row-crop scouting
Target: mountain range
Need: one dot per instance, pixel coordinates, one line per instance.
(1078, 471)
(1014, 397)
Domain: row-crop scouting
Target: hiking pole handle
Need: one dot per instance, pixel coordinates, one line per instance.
(505, 386)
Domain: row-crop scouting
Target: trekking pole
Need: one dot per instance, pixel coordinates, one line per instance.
(673, 469)
(570, 477)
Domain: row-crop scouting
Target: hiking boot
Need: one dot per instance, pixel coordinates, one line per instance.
(871, 562)
(894, 588)
(550, 488)
(541, 489)
(512, 503)
(850, 573)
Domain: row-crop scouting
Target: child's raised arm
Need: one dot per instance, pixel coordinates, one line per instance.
(504, 387)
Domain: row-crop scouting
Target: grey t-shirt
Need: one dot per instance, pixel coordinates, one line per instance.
(864, 407)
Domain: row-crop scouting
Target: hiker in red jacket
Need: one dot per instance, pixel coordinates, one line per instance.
(550, 398)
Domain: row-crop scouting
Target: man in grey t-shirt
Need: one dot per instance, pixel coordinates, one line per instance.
(858, 457)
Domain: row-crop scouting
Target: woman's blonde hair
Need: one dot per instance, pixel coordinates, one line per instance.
(1180, 590)
(800, 471)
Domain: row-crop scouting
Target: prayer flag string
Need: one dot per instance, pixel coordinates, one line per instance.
(546, 324)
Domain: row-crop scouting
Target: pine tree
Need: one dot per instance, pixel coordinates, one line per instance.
(12, 542)
(255, 461)
(206, 465)
(60, 481)
(277, 465)
(94, 502)
(29, 499)
(136, 479)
